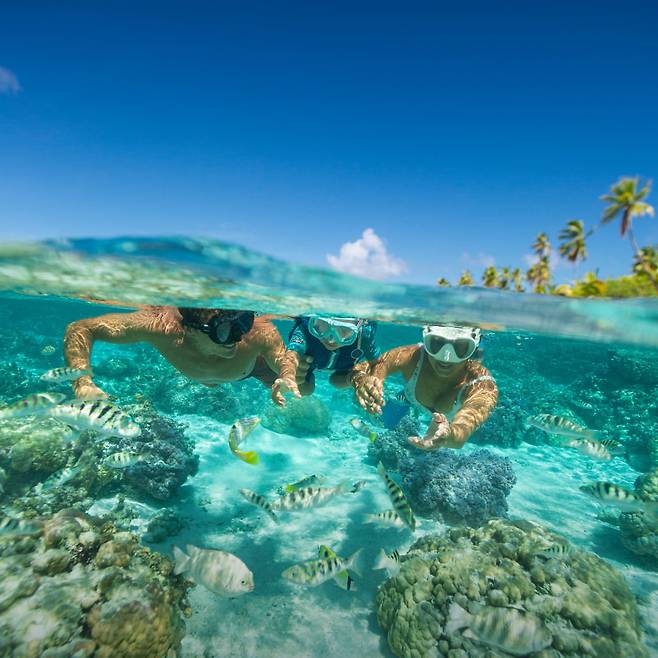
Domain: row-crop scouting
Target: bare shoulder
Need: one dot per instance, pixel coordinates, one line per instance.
(264, 330)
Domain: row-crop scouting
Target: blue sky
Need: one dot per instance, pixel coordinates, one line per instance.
(456, 133)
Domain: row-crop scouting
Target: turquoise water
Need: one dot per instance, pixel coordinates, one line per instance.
(595, 363)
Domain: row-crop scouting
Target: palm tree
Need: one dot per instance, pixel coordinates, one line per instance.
(539, 275)
(646, 261)
(573, 245)
(466, 279)
(444, 283)
(542, 246)
(626, 199)
(505, 278)
(590, 286)
(517, 279)
(490, 277)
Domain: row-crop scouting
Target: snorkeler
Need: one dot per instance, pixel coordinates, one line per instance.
(323, 343)
(210, 346)
(441, 378)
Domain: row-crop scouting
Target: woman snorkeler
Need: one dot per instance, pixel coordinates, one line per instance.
(442, 378)
(324, 343)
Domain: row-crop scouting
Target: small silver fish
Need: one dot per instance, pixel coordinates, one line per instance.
(614, 447)
(48, 349)
(517, 632)
(309, 497)
(58, 479)
(32, 405)
(65, 374)
(220, 572)
(612, 494)
(101, 416)
(316, 572)
(390, 562)
(560, 426)
(590, 448)
(388, 517)
(123, 459)
(557, 550)
(358, 485)
(398, 498)
(259, 501)
(363, 429)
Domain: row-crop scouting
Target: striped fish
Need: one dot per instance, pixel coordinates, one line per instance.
(32, 405)
(560, 425)
(123, 459)
(101, 416)
(390, 562)
(558, 550)
(398, 498)
(514, 631)
(65, 374)
(343, 579)
(259, 501)
(614, 447)
(309, 497)
(388, 517)
(308, 481)
(612, 494)
(592, 449)
(58, 479)
(316, 572)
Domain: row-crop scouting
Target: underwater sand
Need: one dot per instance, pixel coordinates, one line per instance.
(280, 618)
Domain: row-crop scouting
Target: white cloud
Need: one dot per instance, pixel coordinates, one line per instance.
(367, 257)
(481, 260)
(8, 82)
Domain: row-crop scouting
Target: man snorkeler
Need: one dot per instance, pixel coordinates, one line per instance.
(342, 346)
(208, 345)
(441, 378)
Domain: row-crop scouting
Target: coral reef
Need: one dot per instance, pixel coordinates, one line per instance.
(169, 456)
(392, 447)
(163, 524)
(34, 447)
(584, 602)
(639, 531)
(81, 589)
(307, 416)
(502, 427)
(456, 486)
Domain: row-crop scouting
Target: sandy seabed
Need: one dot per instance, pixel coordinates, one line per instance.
(280, 619)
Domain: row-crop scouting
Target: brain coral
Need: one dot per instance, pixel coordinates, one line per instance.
(584, 602)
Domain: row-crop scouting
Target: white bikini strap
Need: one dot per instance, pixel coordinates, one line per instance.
(482, 378)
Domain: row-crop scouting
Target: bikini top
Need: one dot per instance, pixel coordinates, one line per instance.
(410, 388)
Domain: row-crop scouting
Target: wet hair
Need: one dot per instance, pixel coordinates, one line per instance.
(196, 317)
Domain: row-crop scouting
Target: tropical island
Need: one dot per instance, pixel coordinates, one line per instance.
(626, 201)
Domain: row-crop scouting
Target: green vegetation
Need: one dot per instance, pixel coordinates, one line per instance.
(626, 202)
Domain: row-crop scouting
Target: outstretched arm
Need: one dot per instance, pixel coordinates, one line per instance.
(112, 328)
(368, 378)
(478, 402)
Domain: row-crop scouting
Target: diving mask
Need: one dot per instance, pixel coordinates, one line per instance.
(228, 328)
(451, 344)
(342, 331)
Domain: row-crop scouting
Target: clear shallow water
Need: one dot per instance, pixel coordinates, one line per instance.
(538, 355)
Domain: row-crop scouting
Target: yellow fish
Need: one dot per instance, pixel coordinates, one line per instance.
(240, 430)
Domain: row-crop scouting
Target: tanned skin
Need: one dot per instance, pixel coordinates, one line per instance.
(258, 354)
(292, 377)
(437, 388)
